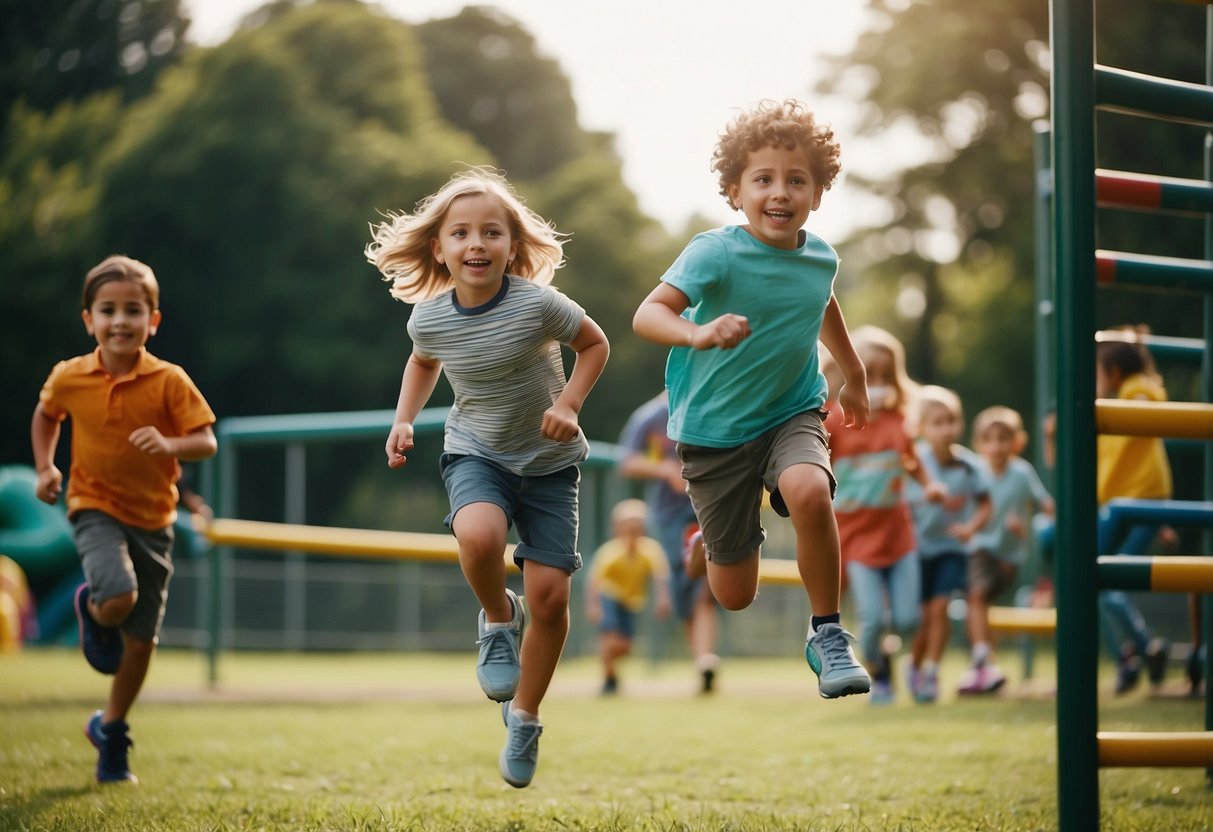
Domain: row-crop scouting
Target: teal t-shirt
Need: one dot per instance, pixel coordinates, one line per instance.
(724, 398)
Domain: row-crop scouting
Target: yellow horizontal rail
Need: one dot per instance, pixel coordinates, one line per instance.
(1034, 621)
(331, 540)
(370, 543)
(1186, 749)
(1178, 420)
(1182, 573)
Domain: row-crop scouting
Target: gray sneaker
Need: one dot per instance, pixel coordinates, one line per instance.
(521, 753)
(830, 655)
(498, 668)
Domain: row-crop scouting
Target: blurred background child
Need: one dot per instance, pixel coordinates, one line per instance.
(874, 525)
(1002, 547)
(618, 587)
(945, 528)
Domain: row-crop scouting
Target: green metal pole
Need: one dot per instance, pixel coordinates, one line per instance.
(1042, 219)
(1206, 391)
(1072, 38)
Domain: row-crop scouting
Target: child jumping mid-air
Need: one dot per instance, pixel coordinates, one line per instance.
(618, 587)
(874, 524)
(742, 309)
(945, 528)
(1001, 548)
(477, 264)
(133, 416)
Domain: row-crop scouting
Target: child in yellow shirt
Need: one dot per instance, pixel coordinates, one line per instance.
(619, 585)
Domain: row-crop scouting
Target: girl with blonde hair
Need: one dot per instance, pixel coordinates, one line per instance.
(476, 262)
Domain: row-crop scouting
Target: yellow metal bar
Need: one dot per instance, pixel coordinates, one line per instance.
(1186, 749)
(1179, 420)
(1035, 621)
(1182, 573)
(329, 540)
(779, 571)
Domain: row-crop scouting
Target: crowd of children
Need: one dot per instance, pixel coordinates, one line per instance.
(867, 466)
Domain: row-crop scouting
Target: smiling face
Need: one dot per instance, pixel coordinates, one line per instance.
(475, 244)
(776, 193)
(121, 318)
(940, 427)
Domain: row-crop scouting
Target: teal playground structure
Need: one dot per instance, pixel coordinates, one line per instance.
(1070, 271)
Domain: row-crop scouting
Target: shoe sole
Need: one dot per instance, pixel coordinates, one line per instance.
(848, 688)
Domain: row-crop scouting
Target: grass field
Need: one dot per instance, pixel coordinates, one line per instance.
(407, 742)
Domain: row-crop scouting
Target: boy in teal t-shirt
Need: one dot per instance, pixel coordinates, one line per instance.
(742, 309)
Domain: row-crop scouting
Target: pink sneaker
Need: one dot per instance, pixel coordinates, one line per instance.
(981, 680)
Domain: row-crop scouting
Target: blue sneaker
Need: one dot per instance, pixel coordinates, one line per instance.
(112, 743)
(829, 653)
(521, 753)
(498, 669)
(102, 646)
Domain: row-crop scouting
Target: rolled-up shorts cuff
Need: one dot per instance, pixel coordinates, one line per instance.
(569, 562)
(739, 555)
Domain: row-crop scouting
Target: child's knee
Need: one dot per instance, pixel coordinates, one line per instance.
(547, 603)
(735, 598)
(113, 611)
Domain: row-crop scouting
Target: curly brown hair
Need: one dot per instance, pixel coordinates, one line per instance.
(771, 123)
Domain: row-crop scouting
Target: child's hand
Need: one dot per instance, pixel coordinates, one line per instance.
(725, 332)
(672, 469)
(151, 441)
(960, 531)
(935, 492)
(50, 485)
(560, 423)
(853, 399)
(1016, 526)
(399, 440)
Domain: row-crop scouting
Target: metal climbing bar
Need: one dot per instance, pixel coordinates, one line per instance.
(1166, 573)
(1123, 91)
(1127, 268)
(1179, 420)
(1120, 189)
(1162, 347)
(1191, 749)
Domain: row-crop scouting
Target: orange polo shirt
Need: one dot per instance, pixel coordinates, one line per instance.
(108, 473)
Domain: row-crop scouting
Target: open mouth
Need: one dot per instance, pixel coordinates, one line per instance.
(477, 264)
(779, 216)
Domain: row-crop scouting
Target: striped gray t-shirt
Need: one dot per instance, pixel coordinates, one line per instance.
(503, 362)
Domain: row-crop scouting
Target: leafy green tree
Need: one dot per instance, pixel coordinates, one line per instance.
(53, 51)
(489, 80)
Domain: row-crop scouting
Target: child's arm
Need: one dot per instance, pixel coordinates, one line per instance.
(659, 319)
(661, 591)
(416, 386)
(981, 515)
(853, 395)
(44, 437)
(593, 349)
(933, 491)
(195, 445)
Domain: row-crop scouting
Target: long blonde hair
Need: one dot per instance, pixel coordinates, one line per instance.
(400, 247)
(904, 388)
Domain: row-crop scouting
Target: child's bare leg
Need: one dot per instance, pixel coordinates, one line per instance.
(735, 585)
(481, 530)
(978, 621)
(547, 600)
(113, 611)
(937, 634)
(918, 646)
(128, 679)
(702, 627)
(806, 491)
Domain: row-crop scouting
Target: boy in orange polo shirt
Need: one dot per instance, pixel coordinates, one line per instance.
(133, 417)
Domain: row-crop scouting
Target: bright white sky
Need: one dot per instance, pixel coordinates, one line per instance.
(665, 76)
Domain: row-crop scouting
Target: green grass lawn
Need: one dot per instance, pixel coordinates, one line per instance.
(407, 742)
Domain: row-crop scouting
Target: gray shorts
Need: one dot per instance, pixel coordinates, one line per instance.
(542, 509)
(725, 484)
(117, 558)
(990, 575)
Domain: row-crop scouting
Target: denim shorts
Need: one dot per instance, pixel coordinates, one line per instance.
(117, 558)
(616, 618)
(944, 574)
(725, 484)
(542, 510)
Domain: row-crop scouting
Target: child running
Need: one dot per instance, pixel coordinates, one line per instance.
(945, 529)
(133, 416)
(874, 523)
(742, 309)
(618, 587)
(477, 263)
(1001, 548)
